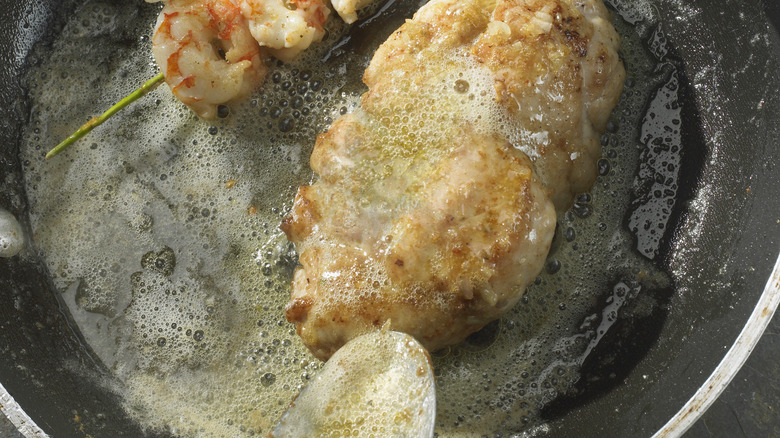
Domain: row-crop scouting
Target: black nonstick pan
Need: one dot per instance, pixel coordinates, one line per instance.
(680, 279)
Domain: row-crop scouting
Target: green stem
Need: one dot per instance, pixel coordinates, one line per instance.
(150, 85)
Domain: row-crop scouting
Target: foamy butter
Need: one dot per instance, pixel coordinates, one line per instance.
(11, 235)
(174, 268)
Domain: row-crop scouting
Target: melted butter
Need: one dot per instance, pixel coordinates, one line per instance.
(160, 231)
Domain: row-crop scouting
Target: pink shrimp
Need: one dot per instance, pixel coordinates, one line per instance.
(207, 53)
(211, 51)
(287, 27)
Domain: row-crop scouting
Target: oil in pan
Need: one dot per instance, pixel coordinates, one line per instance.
(160, 230)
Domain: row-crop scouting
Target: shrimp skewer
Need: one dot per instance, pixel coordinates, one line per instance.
(94, 122)
(212, 52)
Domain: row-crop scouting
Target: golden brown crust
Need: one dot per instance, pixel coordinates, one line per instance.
(304, 213)
(425, 217)
(439, 269)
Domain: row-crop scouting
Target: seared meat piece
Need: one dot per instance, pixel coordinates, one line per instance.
(436, 201)
(438, 248)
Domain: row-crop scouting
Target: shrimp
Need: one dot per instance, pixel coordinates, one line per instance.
(347, 9)
(287, 27)
(213, 51)
(207, 53)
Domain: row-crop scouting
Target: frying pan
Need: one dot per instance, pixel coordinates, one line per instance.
(649, 373)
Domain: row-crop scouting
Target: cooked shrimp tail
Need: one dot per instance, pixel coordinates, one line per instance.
(348, 9)
(286, 27)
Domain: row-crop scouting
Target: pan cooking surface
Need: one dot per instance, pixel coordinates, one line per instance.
(161, 233)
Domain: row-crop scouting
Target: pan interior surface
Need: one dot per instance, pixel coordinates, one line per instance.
(725, 244)
(158, 239)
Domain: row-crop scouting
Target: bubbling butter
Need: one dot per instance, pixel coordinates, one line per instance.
(161, 231)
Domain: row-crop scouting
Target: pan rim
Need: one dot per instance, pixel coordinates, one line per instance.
(18, 417)
(684, 418)
(731, 363)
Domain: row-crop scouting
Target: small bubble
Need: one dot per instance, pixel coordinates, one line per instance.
(286, 124)
(161, 342)
(163, 262)
(461, 86)
(604, 167)
(569, 234)
(267, 379)
(198, 335)
(582, 210)
(584, 198)
(213, 130)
